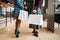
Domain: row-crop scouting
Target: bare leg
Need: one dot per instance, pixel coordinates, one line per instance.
(18, 22)
(35, 31)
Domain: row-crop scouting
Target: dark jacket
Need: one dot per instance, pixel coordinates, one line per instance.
(38, 3)
(46, 4)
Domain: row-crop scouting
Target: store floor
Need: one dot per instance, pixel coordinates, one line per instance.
(7, 33)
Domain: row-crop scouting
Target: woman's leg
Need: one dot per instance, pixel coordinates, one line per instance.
(36, 32)
(18, 22)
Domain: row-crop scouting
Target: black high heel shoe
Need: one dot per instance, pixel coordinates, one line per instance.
(17, 33)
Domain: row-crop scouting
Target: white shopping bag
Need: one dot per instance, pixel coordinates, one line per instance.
(23, 15)
(35, 19)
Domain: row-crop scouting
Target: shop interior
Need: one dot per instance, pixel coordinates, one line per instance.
(50, 29)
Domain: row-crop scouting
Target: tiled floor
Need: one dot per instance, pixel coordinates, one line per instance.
(8, 33)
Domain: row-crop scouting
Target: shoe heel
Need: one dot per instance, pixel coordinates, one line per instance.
(17, 33)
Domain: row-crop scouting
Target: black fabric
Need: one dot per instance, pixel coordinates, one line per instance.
(36, 3)
(57, 18)
(5, 1)
(34, 26)
(30, 5)
(46, 4)
(58, 6)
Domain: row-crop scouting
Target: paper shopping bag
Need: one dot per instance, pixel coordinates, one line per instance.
(23, 15)
(35, 19)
